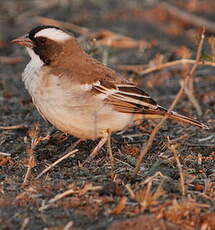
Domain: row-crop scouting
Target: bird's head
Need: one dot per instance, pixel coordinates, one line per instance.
(45, 42)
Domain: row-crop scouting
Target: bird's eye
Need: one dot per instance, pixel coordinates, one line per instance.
(42, 40)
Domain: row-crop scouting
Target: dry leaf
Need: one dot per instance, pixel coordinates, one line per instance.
(120, 206)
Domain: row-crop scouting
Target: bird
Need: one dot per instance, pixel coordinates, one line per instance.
(78, 94)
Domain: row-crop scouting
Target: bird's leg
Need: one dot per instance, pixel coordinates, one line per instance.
(99, 145)
(109, 148)
(96, 150)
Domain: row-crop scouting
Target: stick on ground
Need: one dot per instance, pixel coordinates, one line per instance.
(143, 69)
(5, 154)
(56, 162)
(13, 127)
(182, 181)
(148, 146)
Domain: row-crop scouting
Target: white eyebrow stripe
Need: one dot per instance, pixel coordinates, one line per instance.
(53, 34)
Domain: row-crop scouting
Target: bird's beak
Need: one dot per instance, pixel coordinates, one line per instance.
(23, 41)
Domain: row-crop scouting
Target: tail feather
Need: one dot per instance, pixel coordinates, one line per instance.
(182, 118)
(188, 120)
(161, 112)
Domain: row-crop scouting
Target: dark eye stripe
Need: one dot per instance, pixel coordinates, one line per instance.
(41, 39)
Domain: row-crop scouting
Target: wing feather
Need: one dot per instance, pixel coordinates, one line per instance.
(126, 98)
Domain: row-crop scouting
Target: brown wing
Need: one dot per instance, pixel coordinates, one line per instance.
(125, 97)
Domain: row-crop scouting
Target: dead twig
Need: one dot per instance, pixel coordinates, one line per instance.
(85, 189)
(192, 98)
(187, 85)
(69, 225)
(130, 191)
(188, 17)
(25, 223)
(62, 195)
(179, 139)
(5, 154)
(57, 197)
(120, 206)
(13, 127)
(123, 162)
(57, 162)
(10, 60)
(142, 69)
(206, 138)
(144, 200)
(182, 181)
(151, 178)
(177, 98)
(31, 164)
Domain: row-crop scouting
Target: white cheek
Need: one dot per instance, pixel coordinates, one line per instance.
(35, 59)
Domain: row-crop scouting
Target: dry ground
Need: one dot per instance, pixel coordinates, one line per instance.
(97, 197)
